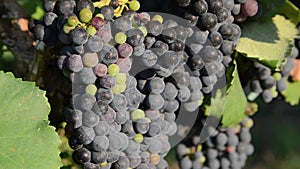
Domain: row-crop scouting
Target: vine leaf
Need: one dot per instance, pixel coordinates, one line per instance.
(33, 7)
(291, 93)
(291, 11)
(236, 102)
(270, 8)
(268, 42)
(26, 139)
(229, 102)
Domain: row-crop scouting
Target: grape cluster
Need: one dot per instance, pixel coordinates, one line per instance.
(215, 41)
(269, 83)
(132, 74)
(214, 11)
(71, 23)
(113, 123)
(227, 148)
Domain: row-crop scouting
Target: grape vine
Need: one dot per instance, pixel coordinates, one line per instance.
(135, 84)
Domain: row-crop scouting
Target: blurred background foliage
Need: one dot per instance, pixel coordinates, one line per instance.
(276, 133)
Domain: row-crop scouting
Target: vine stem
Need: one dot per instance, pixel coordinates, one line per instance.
(15, 35)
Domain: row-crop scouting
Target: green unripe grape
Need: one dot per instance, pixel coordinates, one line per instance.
(134, 5)
(143, 29)
(113, 69)
(67, 28)
(137, 114)
(103, 164)
(249, 123)
(158, 18)
(274, 91)
(100, 15)
(135, 25)
(138, 138)
(85, 15)
(73, 20)
(120, 78)
(202, 159)
(277, 76)
(199, 147)
(91, 89)
(120, 38)
(148, 119)
(66, 73)
(91, 30)
(200, 101)
(118, 88)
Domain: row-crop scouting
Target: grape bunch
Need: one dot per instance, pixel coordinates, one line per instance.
(132, 74)
(269, 83)
(217, 10)
(227, 148)
(70, 23)
(112, 123)
(215, 41)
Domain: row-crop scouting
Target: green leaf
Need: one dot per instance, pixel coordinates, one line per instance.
(270, 8)
(268, 42)
(229, 102)
(291, 12)
(6, 58)
(26, 139)
(33, 7)
(236, 102)
(292, 93)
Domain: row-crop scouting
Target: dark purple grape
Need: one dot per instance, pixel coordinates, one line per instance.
(177, 46)
(104, 95)
(222, 15)
(85, 135)
(154, 28)
(66, 7)
(82, 155)
(49, 5)
(209, 54)
(79, 36)
(160, 47)
(200, 7)
(208, 21)
(74, 143)
(108, 12)
(99, 157)
(196, 62)
(215, 38)
(109, 54)
(90, 119)
(215, 6)
(50, 18)
(226, 31)
(183, 3)
(107, 81)
(94, 44)
(135, 37)
(168, 35)
(81, 4)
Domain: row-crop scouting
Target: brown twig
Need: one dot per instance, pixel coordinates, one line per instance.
(15, 35)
